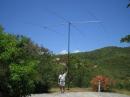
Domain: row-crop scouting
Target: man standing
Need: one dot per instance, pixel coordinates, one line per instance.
(61, 81)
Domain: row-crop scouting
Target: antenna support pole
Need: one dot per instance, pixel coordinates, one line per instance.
(68, 63)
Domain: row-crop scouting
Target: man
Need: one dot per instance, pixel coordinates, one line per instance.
(61, 81)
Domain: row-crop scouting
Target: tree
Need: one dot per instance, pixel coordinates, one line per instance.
(18, 65)
(125, 39)
(7, 50)
(45, 72)
(22, 79)
(128, 5)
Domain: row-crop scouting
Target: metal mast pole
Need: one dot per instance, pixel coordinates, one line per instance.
(69, 24)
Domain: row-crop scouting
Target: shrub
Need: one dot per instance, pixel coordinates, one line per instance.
(41, 88)
(105, 83)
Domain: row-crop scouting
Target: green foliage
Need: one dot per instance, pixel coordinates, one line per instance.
(109, 61)
(21, 79)
(22, 65)
(125, 39)
(128, 5)
(45, 70)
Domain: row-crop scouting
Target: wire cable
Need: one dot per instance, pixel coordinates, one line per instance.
(57, 15)
(44, 27)
(94, 16)
(83, 35)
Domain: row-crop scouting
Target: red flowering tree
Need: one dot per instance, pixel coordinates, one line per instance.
(104, 82)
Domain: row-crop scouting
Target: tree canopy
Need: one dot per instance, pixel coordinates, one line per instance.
(23, 64)
(125, 39)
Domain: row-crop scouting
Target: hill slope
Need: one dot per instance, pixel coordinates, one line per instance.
(113, 62)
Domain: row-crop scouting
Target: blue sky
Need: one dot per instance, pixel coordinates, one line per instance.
(28, 17)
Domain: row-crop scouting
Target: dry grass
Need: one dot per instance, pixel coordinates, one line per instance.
(71, 90)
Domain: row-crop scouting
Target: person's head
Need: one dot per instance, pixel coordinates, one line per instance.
(61, 72)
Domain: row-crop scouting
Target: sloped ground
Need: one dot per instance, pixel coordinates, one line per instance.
(80, 94)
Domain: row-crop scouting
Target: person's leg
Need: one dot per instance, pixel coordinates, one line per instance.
(60, 88)
(63, 89)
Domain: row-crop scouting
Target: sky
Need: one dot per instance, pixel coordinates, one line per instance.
(46, 22)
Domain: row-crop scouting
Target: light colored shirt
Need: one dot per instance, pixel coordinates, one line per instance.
(62, 76)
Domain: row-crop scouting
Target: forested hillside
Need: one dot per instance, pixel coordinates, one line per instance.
(113, 62)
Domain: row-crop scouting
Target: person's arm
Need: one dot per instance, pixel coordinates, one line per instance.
(59, 79)
(66, 70)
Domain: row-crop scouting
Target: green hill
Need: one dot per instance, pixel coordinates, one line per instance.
(113, 62)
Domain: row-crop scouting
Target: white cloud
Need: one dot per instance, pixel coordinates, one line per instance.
(76, 51)
(63, 52)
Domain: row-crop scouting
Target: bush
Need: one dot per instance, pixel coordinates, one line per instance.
(105, 83)
(41, 88)
(21, 79)
(123, 84)
(4, 89)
